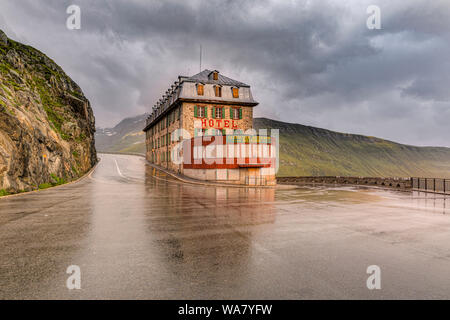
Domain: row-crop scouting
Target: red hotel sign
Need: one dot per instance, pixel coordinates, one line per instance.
(218, 123)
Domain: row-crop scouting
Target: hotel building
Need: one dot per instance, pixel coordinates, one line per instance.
(206, 121)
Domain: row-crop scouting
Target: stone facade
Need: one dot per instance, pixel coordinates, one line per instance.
(190, 122)
(159, 141)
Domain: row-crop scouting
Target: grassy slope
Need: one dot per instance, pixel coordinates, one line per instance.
(128, 136)
(312, 151)
(131, 142)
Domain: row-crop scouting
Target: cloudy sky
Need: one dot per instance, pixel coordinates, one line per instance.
(311, 62)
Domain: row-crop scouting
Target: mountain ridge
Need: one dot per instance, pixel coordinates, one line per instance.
(126, 137)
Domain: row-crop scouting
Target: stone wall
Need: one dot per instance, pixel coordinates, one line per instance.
(395, 183)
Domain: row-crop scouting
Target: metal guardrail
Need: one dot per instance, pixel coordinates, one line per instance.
(391, 183)
(436, 185)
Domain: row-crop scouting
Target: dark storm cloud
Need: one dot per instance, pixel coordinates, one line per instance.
(311, 62)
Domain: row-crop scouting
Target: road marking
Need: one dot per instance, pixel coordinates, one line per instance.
(118, 170)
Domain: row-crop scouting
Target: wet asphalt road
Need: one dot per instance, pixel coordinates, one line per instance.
(138, 234)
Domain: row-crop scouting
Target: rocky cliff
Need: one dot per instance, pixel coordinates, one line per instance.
(46, 123)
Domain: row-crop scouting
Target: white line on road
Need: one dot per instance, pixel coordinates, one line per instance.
(118, 170)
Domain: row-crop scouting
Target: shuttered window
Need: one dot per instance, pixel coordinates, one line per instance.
(219, 114)
(236, 113)
(235, 92)
(202, 112)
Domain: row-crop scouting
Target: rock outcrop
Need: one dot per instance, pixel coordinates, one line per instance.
(46, 123)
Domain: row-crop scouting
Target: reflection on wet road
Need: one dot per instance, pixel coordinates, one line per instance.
(137, 233)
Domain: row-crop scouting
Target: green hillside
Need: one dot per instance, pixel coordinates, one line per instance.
(309, 151)
(125, 137)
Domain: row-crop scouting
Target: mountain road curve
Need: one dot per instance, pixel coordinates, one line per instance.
(137, 233)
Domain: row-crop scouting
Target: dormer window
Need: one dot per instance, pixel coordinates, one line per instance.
(235, 91)
(218, 91)
(213, 75)
(200, 89)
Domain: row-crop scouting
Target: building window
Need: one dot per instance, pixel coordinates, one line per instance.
(215, 75)
(235, 113)
(200, 88)
(219, 113)
(218, 90)
(235, 92)
(200, 111)
(200, 132)
(211, 132)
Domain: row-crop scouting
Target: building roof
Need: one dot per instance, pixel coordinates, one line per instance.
(222, 80)
(176, 93)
